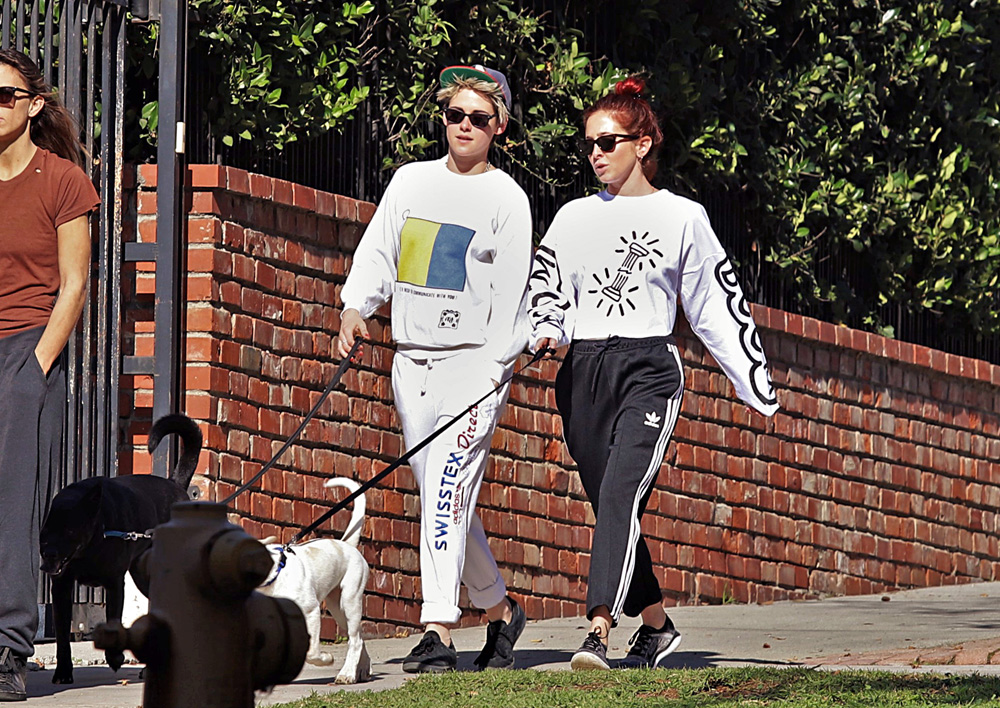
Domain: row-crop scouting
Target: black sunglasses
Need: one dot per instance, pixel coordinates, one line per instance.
(9, 93)
(607, 143)
(479, 120)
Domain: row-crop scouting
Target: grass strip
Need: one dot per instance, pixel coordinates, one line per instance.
(789, 688)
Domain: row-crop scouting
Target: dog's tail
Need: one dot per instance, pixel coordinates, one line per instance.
(190, 435)
(352, 534)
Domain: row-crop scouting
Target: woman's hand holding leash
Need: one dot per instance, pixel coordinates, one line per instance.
(351, 325)
(547, 345)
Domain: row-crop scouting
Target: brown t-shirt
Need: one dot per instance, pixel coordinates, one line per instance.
(49, 192)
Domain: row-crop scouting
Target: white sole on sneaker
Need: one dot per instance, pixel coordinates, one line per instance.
(585, 661)
(674, 643)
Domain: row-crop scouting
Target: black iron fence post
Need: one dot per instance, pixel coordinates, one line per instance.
(170, 221)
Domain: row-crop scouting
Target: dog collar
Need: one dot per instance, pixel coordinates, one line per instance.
(281, 566)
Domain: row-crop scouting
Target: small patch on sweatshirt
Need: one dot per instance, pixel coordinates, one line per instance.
(449, 319)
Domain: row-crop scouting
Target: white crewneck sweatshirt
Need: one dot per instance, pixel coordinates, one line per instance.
(615, 266)
(453, 253)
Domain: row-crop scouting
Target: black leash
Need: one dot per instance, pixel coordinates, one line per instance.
(346, 362)
(410, 453)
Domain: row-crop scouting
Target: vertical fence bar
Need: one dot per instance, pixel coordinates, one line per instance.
(68, 79)
(108, 292)
(84, 89)
(19, 25)
(5, 29)
(49, 55)
(33, 31)
(169, 221)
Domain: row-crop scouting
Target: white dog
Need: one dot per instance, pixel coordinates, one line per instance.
(325, 569)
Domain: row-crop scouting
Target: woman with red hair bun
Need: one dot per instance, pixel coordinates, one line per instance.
(606, 281)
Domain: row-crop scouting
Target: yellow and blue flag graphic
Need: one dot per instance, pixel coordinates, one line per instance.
(432, 254)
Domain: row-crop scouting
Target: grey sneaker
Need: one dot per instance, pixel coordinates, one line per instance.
(592, 654)
(13, 676)
(650, 646)
(500, 639)
(431, 656)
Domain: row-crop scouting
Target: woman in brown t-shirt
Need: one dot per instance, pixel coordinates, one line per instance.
(44, 263)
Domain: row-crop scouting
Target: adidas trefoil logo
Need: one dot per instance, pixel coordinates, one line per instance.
(652, 420)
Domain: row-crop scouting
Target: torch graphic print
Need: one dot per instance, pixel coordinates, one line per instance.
(612, 287)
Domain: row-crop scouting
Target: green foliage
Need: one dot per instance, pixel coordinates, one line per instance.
(879, 146)
(864, 135)
(285, 68)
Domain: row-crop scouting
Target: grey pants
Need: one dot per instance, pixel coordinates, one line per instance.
(31, 428)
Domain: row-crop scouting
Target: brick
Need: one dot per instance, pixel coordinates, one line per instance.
(304, 197)
(206, 176)
(261, 187)
(147, 176)
(238, 180)
(283, 192)
(347, 208)
(366, 210)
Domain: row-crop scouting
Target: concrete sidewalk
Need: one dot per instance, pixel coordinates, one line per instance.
(953, 629)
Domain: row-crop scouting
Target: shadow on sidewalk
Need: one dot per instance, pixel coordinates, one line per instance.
(40, 682)
(709, 659)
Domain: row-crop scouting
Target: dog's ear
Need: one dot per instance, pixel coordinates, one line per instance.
(92, 499)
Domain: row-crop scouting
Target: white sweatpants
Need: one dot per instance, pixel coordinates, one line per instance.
(449, 472)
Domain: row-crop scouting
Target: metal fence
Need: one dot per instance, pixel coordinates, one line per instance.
(80, 47)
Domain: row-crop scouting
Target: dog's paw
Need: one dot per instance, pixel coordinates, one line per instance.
(62, 676)
(115, 659)
(360, 675)
(320, 659)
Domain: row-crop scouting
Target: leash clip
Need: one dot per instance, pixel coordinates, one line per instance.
(127, 535)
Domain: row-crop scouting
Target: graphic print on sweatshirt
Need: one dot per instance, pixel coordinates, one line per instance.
(612, 288)
(432, 255)
(547, 290)
(739, 308)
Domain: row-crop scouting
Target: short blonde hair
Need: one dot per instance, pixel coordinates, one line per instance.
(487, 89)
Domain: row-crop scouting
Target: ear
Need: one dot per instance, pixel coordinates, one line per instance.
(93, 498)
(501, 128)
(36, 106)
(643, 145)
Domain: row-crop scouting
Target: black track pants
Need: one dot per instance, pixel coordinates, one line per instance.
(619, 400)
(31, 419)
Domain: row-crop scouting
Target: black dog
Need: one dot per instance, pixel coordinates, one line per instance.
(75, 545)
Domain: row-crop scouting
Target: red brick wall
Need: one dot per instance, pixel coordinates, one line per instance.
(879, 472)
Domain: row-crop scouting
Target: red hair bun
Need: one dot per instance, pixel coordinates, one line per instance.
(632, 86)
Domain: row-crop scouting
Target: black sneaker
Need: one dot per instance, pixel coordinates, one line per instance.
(592, 654)
(431, 656)
(650, 646)
(13, 676)
(500, 639)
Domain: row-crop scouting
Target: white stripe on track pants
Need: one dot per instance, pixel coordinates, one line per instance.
(449, 472)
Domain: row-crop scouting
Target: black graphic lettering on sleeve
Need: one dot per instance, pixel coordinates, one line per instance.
(545, 284)
(739, 308)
